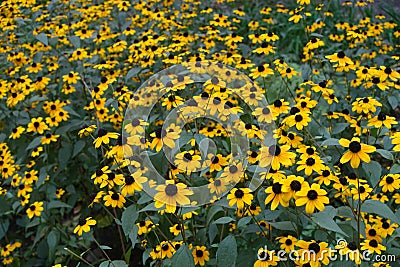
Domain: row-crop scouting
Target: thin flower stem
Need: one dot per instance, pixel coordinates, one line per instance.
(102, 250)
(79, 257)
(121, 238)
(358, 211)
(258, 224)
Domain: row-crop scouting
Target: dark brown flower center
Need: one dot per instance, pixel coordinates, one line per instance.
(314, 247)
(171, 190)
(312, 195)
(239, 193)
(355, 147)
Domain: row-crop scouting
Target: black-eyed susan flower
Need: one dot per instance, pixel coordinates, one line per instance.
(85, 131)
(112, 179)
(215, 162)
(200, 255)
(170, 134)
(218, 186)
(293, 184)
(313, 197)
(233, 173)
(316, 252)
(373, 246)
(84, 225)
(171, 195)
(60, 192)
(36, 151)
(37, 125)
(261, 71)
(263, 114)
(287, 243)
(103, 137)
(100, 175)
(71, 77)
(357, 151)
(340, 58)
(365, 105)
(187, 161)
(136, 126)
(17, 132)
(35, 209)
(114, 200)
(361, 191)
(176, 229)
(172, 101)
(133, 182)
(240, 197)
(275, 156)
(351, 251)
(382, 120)
(390, 182)
(48, 138)
(310, 164)
(252, 210)
(144, 226)
(276, 196)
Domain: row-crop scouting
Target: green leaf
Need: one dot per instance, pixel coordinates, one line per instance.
(132, 72)
(330, 142)
(2, 137)
(386, 154)
(133, 234)
(284, 225)
(75, 41)
(224, 220)
(52, 239)
(128, 219)
(64, 154)
(212, 232)
(377, 207)
(339, 127)
(57, 204)
(393, 101)
(395, 168)
(117, 263)
(4, 228)
(35, 143)
(373, 171)
(325, 220)
(150, 207)
(243, 221)
(212, 212)
(183, 257)
(42, 176)
(227, 252)
(78, 147)
(42, 37)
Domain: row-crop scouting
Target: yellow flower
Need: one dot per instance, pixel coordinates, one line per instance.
(200, 255)
(357, 151)
(114, 200)
(35, 209)
(84, 225)
(103, 137)
(171, 195)
(240, 196)
(37, 126)
(313, 197)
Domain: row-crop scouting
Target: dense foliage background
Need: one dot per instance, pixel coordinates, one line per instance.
(69, 69)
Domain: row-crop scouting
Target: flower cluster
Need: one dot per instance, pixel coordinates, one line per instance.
(75, 178)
